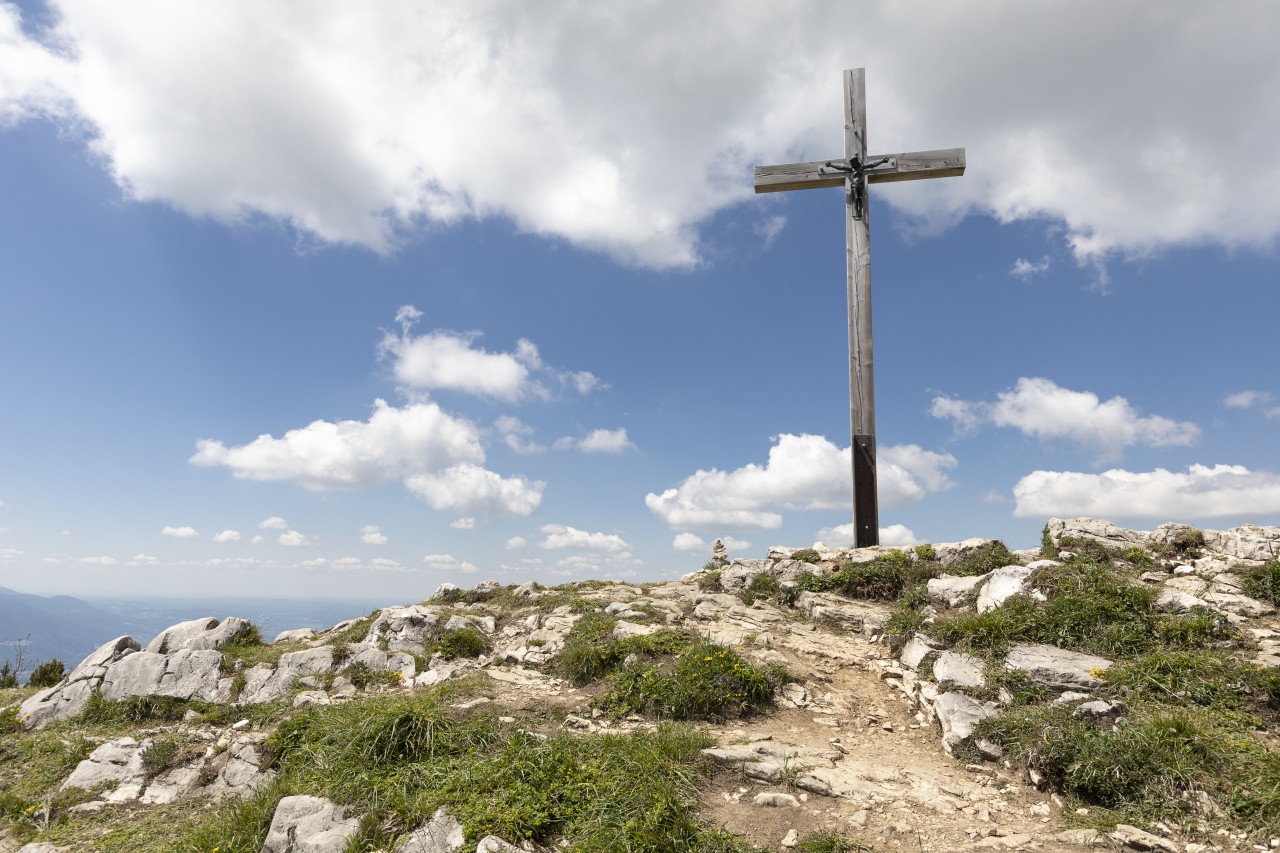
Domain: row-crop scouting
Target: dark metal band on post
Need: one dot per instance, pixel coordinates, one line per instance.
(866, 509)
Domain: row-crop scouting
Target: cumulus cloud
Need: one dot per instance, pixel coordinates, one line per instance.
(447, 562)
(293, 539)
(451, 361)
(227, 536)
(598, 441)
(689, 542)
(1200, 492)
(516, 542)
(894, 535)
(472, 489)
(562, 536)
(1247, 399)
(256, 540)
(803, 472)
(143, 560)
(371, 534)
(359, 124)
(98, 561)
(1040, 408)
(275, 522)
(180, 532)
(10, 555)
(464, 523)
(328, 455)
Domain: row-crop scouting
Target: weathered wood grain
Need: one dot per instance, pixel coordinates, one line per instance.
(908, 166)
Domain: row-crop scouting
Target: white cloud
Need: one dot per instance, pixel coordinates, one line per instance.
(1025, 269)
(352, 454)
(472, 489)
(598, 441)
(98, 561)
(896, 535)
(732, 543)
(768, 229)
(514, 432)
(384, 563)
(516, 542)
(1273, 412)
(448, 360)
(10, 555)
(447, 562)
(1201, 492)
(1039, 408)
(143, 560)
(1247, 399)
(689, 542)
(370, 534)
(227, 536)
(256, 540)
(803, 472)
(561, 536)
(464, 523)
(180, 532)
(992, 496)
(293, 539)
(275, 522)
(360, 124)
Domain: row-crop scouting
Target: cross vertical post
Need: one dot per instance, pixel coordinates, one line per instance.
(855, 173)
(862, 388)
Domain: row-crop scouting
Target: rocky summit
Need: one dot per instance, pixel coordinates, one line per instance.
(1115, 689)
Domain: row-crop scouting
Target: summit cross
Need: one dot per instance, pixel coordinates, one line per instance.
(854, 173)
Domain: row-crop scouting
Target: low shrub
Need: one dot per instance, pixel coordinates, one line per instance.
(763, 585)
(591, 650)
(160, 755)
(805, 555)
(1263, 582)
(993, 555)
(707, 682)
(132, 711)
(47, 674)
(463, 643)
(709, 580)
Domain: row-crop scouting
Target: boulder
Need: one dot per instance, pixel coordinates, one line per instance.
(295, 636)
(739, 574)
(950, 553)
(961, 669)
(952, 589)
(68, 697)
(1097, 530)
(239, 768)
(1002, 584)
(206, 633)
(115, 762)
(1246, 542)
(1179, 602)
(264, 683)
(404, 629)
(185, 674)
(441, 834)
(303, 824)
(1057, 667)
(959, 715)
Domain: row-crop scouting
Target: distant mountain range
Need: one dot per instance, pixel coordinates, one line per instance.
(54, 627)
(68, 628)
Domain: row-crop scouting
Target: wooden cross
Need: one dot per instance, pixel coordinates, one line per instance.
(853, 173)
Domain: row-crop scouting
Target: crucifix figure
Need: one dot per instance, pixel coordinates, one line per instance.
(854, 173)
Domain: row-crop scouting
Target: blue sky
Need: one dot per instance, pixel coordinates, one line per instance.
(228, 232)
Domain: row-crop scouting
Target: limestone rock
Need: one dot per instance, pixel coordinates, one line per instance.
(206, 633)
(239, 769)
(1137, 839)
(961, 669)
(494, 844)
(115, 761)
(69, 696)
(959, 715)
(738, 575)
(951, 589)
(1097, 530)
(441, 834)
(1057, 667)
(444, 592)
(303, 824)
(185, 674)
(1246, 542)
(296, 635)
(950, 553)
(1001, 585)
(1179, 602)
(265, 684)
(719, 554)
(404, 629)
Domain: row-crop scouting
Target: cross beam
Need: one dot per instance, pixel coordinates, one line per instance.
(854, 172)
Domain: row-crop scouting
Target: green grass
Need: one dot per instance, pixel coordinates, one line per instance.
(396, 760)
(591, 651)
(989, 557)
(1263, 582)
(1091, 607)
(763, 585)
(463, 643)
(706, 682)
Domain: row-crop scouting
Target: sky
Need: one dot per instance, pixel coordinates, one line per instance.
(334, 300)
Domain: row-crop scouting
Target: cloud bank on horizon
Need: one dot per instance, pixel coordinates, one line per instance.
(359, 127)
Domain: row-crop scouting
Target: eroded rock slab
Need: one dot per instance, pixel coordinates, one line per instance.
(303, 824)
